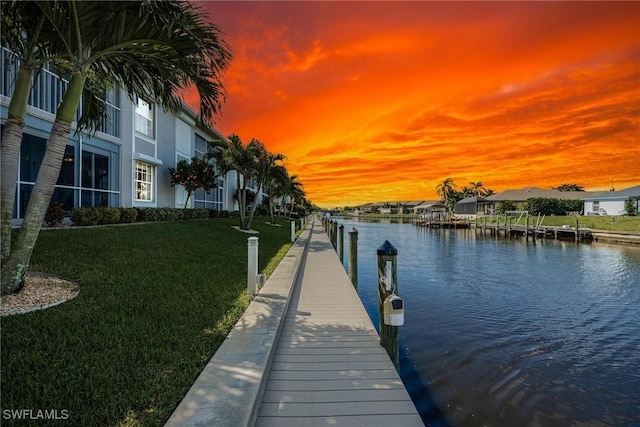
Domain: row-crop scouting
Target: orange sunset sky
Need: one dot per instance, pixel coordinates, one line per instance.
(381, 101)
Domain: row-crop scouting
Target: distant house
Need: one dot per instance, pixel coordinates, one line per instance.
(408, 207)
(519, 197)
(430, 207)
(612, 202)
(470, 206)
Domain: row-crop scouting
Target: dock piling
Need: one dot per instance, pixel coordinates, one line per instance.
(387, 253)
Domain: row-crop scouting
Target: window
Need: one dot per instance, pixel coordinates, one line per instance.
(144, 118)
(144, 182)
(596, 205)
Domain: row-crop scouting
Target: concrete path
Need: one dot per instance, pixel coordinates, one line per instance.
(329, 368)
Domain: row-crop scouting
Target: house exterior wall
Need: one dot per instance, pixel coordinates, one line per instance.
(604, 207)
(100, 169)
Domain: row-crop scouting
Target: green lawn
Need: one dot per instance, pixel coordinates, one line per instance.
(608, 223)
(156, 301)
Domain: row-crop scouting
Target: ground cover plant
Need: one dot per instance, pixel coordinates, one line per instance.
(156, 301)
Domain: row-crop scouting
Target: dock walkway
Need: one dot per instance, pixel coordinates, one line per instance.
(329, 367)
(305, 353)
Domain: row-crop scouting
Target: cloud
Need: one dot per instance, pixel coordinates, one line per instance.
(383, 100)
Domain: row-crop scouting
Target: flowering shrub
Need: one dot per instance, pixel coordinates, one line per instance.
(197, 174)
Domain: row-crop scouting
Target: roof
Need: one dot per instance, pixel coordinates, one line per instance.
(628, 193)
(413, 203)
(429, 204)
(523, 194)
(473, 199)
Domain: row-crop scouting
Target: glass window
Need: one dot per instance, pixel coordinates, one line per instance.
(144, 118)
(31, 155)
(67, 171)
(144, 181)
(596, 206)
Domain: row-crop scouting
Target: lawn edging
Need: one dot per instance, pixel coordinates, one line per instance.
(228, 391)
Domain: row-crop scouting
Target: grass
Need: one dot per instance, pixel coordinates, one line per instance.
(605, 223)
(156, 301)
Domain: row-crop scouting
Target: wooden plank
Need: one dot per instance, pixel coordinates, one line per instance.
(319, 385)
(343, 421)
(272, 396)
(329, 366)
(330, 358)
(372, 374)
(336, 408)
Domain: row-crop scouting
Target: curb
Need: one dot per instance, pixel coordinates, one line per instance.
(229, 390)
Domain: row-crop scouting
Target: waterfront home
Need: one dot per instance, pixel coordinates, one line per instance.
(408, 207)
(125, 163)
(469, 207)
(520, 196)
(612, 202)
(430, 207)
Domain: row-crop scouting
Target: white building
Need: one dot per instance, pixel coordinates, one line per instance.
(612, 202)
(125, 163)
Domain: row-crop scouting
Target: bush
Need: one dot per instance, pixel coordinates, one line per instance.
(110, 215)
(195, 213)
(128, 215)
(86, 215)
(547, 206)
(55, 214)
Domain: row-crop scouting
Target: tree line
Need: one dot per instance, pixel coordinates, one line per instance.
(256, 168)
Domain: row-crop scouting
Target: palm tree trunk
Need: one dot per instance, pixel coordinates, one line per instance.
(253, 208)
(10, 154)
(15, 266)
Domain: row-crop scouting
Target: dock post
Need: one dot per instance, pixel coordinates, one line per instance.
(293, 231)
(334, 234)
(577, 231)
(353, 257)
(252, 265)
(341, 243)
(387, 253)
(526, 227)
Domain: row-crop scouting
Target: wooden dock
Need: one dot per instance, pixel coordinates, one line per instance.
(549, 232)
(328, 367)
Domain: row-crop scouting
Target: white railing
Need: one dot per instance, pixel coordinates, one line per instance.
(48, 89)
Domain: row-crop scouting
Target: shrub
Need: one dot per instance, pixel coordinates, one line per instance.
(195, 213)
(128, 215)
(548, 206)
(110, 215)
(86, 215)
(55, 214)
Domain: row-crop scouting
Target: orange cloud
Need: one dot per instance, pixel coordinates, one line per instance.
(374, 101)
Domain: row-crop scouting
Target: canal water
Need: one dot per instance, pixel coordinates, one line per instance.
(504, 332)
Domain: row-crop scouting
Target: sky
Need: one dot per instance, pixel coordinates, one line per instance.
(381, 101)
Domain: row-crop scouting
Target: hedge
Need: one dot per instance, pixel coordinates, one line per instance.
(86, 216)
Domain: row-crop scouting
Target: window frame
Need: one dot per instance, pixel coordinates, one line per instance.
(139, 117)
(143, 181)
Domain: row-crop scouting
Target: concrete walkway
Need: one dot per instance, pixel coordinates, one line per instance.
(305, 353)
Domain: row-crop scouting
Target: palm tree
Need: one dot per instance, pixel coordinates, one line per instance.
(27, 34)
(477, 189)
(295, 192)
(446, 191)
(251, 162)
(152, 49)
(265, 163)
(276, 182)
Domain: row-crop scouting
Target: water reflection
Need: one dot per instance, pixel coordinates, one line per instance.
(507, 332)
